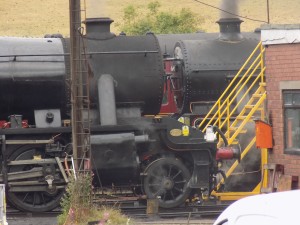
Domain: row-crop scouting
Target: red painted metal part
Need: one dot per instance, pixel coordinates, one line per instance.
(4, 124)
(227, 153)
(168, 104)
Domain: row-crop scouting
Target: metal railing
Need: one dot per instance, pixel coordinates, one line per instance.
(234, 112)
(233, 109)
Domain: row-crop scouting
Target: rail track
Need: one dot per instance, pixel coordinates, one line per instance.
(187, 211)
(141, 212)
(138, 211)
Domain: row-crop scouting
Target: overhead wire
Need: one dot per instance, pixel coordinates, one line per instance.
(244, 17)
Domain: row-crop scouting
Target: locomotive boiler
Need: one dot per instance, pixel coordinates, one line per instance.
(160, 157)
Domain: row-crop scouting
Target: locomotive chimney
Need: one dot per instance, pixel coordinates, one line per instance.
(99, 28)
(230, 29)
(230, 24)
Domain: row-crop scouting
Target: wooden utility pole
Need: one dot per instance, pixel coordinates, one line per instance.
(79, 87)
(268, 11)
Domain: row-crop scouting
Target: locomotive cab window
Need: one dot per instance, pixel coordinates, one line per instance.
(291, 106)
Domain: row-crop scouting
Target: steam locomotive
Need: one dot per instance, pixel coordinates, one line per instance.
(159, 157)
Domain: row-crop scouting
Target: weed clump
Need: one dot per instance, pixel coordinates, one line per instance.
(77, 207)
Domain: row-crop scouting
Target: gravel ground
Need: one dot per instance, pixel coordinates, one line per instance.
(30, 220)
(178, 222)
(51, 220)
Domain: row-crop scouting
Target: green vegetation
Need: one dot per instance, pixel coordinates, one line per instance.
(77, 198)
(136, 23)
(77, 207)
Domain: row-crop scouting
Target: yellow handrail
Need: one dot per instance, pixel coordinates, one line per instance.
(243, 99)
(230, 89)
(223, 109)
(240, 102)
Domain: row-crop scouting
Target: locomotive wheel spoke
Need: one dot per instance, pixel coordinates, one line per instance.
(179, 172)
(158, 184)
(170, 170)
(43, 198)
(156, 177)
(25, 197)
(180, 182)
(170, 175)
(172, 194)
(34, 198)
(177, 189)
(158, 192)
(36, 201)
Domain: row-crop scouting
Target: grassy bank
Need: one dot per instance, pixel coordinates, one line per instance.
(39, 17)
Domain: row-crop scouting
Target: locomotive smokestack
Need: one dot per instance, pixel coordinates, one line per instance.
(230, 9)
(99, 28)
(230, 29)
(230, 24)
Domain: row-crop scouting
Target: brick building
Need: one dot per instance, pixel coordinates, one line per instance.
(282, 60)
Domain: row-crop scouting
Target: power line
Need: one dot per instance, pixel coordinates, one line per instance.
(244, 17)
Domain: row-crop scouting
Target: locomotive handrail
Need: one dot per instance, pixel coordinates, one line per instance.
(218, 103)
(230, 90)
(89, 53)
(233, 111)
(228, 102)
(247, 118)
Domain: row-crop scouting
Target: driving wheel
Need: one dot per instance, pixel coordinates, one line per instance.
(32, 201)
(167, 179)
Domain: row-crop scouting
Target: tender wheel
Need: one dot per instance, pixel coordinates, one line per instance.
(32, 201)
(167, 178)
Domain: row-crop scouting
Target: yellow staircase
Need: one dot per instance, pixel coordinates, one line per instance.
(234, 113)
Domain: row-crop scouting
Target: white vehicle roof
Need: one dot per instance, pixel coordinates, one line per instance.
(280, 208)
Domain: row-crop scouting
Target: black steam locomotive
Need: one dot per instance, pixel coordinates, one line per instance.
(160, 157)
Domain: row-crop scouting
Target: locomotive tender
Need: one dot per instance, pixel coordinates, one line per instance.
(156, 156)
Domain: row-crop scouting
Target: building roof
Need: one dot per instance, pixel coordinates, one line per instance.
(272, 34)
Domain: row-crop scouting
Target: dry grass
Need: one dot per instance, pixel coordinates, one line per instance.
(39, 17)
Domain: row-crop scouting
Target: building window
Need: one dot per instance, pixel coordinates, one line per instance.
(291, 105)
